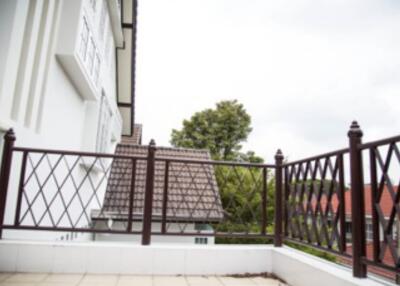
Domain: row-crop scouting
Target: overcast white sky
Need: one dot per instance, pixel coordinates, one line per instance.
(304, 69)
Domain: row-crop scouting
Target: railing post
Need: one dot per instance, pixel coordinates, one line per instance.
(132, 196)
(165, 199)
(264, 202)
(148, 197)
(374, 201)
(278, 199)
(286, 192)
(342, 203)
(357, 201)
(9, 139)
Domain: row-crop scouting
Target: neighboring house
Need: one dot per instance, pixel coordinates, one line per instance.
(193, 196)
(386, 205)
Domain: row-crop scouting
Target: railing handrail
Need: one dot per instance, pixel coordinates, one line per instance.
(363, 146)
(169, 159)
(321, 156)
(77, 153)
(215, 162)
(378, 143)
(341, 151)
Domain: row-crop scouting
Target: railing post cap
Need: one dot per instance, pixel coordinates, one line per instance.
(152, 143)
(10, 135)
(279, 155)
(355, 130)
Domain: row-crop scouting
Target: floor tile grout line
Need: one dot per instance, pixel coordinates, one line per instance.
(220, 281)
(80, 279)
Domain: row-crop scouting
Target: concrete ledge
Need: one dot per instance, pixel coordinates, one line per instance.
(295, 267)
(301, 269)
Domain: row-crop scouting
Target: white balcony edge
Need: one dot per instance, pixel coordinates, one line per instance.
(301, 269)
(295, 267)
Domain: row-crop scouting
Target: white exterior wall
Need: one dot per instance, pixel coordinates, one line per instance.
(39, 95)
(156, 227)
(38, 98)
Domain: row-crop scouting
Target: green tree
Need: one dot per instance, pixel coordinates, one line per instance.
(220, 130)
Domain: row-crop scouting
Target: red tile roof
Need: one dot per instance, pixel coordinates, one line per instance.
(386, 202)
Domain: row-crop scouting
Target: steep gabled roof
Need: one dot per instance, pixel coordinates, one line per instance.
(193, 193)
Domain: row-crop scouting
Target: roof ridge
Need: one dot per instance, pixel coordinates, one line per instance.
(164, 147)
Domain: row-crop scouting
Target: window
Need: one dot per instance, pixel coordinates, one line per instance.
(84, 39)
(202, 227)
(104, 127)
(201, 240)
(89, 53)
(348, 231)
(348, 227)
(369, 231)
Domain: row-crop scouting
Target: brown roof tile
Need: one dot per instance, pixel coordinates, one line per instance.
(193, 193)
(136, 138)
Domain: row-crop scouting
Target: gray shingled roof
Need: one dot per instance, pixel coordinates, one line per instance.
(193, 193)
(136, 137)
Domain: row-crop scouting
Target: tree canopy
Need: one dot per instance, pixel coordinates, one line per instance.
(220, 130)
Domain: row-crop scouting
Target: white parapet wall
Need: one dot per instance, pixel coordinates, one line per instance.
(300, 269)
(296, 268)
(124, 258)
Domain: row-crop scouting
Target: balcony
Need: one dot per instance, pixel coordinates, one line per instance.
(142, 214)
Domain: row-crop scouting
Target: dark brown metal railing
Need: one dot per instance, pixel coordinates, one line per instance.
(312, 202)
(62, 190)
(66, 191)
(319, 202)
(384, 163)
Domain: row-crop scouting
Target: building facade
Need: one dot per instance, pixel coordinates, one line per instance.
(66, 72)
(67, 82)
(66, 75)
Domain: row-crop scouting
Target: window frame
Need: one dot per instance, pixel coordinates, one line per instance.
(104, 133)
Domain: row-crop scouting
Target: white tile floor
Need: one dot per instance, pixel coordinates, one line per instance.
(29, 279)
